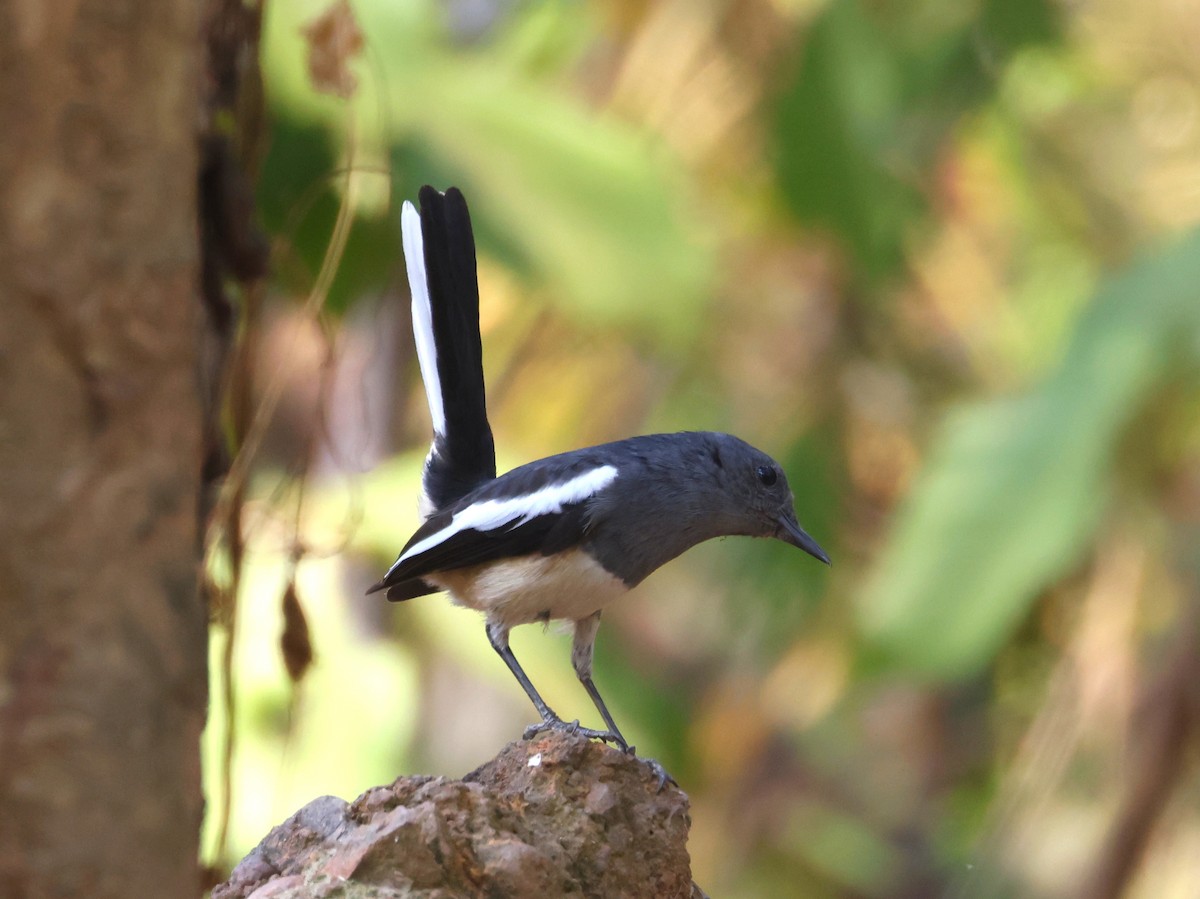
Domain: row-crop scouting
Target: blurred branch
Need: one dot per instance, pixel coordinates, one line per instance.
(235, 259)
(1167, 719)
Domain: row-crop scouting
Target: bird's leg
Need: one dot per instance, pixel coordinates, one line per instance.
(581, 659)
(613, 731)
(498, 637)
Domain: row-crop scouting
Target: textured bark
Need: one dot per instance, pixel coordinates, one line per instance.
(556, 816)
(102, 634)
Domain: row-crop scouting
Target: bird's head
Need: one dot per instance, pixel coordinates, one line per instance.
(758, 488)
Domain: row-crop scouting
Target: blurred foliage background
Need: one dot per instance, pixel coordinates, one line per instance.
(939, 257)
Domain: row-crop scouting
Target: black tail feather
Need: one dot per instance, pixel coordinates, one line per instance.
(464, 456)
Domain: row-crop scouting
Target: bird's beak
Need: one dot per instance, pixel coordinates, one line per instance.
(791, 532)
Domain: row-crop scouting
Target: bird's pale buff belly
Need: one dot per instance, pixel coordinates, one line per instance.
(570, 585)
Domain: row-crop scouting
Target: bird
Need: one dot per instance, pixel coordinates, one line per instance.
(562, 537)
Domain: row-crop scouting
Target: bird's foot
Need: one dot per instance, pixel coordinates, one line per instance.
(573, 727)
(659, 772)
(655, 767)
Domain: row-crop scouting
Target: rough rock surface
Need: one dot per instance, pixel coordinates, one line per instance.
(554, 816)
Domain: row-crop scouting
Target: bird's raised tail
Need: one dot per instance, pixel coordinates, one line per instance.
(439, 250)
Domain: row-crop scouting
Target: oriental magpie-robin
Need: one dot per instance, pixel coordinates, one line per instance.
(564, 536)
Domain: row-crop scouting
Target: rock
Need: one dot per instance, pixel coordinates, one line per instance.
(556, 816)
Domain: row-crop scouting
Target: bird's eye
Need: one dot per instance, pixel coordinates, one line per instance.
(767, 475)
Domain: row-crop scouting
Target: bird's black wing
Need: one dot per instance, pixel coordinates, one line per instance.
(538, 508)
(543, 535)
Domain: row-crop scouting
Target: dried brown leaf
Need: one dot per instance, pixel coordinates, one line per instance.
(334, 39)
(294, 641)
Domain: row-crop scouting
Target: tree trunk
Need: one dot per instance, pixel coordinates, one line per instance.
(102, 632)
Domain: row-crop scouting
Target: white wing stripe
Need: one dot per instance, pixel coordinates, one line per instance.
(422, 312)
(496, 513)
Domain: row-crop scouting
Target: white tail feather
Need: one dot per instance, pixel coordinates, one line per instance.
(422, 313)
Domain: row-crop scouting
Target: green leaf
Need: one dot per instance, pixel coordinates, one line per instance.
(832, 128)
(591, 208)
(880, 88)
(1014, 488)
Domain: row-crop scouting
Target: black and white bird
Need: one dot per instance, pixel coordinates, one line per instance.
(562, 537)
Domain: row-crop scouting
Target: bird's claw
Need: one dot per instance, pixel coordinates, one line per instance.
(572, 728)
(660, 772)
